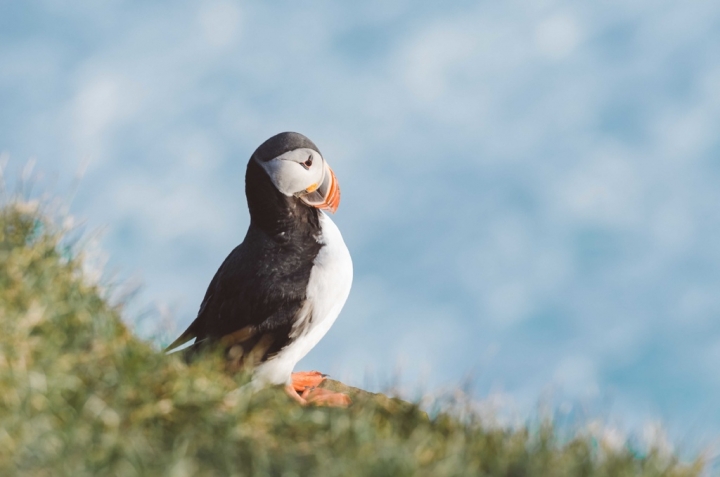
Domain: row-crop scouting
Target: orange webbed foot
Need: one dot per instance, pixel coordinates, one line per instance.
(304, 389)
(304, 380)
(290, 391)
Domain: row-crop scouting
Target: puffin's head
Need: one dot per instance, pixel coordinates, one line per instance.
(296, 168)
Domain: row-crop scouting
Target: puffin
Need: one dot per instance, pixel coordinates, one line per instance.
(278, 293)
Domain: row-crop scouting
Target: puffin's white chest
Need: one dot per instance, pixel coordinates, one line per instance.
(327, 291)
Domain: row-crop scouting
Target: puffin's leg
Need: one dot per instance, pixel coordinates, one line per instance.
(290, 391)
(325, 397)
(307, 380)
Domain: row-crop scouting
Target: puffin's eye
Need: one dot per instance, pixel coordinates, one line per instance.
(308, 163)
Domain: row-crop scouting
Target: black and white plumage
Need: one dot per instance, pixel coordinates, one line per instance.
(278, 293)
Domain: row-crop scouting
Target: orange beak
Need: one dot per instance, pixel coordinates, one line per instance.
(326, 196)
(332, 200)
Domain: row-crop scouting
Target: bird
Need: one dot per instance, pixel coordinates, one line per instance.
(278, 293)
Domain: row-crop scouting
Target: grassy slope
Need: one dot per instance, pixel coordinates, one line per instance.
(80, 395)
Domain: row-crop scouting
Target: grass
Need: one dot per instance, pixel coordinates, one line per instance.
(81, 395)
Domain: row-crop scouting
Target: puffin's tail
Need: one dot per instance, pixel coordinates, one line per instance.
(188, 335)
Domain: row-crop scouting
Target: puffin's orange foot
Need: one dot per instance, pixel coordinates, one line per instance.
(306, 380)
(325, 397)
(290, 391)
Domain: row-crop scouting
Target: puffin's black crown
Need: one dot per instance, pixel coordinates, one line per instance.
(280, 144)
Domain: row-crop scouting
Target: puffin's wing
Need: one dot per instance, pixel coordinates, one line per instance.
(247, 304)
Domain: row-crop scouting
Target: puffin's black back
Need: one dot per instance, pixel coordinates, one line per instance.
(257, 292)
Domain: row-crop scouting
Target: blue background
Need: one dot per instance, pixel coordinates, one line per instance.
(530, 189)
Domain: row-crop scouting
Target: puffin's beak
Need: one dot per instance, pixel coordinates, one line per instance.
(325, 196)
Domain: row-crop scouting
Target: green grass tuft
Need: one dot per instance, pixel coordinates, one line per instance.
(80, 395)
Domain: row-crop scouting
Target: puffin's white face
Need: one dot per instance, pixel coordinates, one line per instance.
(303, 173)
